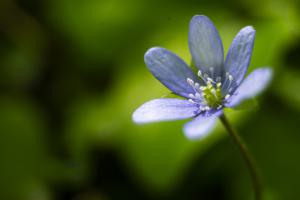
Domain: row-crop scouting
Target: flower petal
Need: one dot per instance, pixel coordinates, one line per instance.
(170, 70)
(239, 54)
(205, 45)
(255, 83)
(201, 125)
(164, 110)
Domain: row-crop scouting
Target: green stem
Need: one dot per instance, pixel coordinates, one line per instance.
(256, 181)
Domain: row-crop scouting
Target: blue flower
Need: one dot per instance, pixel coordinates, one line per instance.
(218, 83)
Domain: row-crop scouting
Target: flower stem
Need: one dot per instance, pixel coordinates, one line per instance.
(256, 181)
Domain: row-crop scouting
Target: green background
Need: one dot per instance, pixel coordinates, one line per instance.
(72, 73)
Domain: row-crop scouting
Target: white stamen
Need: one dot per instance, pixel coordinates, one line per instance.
(210, 80)
(219, 84)
(203, 88)
(207, 108)
(192, 96)
(227, 96)
(197, 85)
(190, 81)
(228, 82)
(199, 73)
(202, 108)
(203, 77)
(198, 96)
(191, 100)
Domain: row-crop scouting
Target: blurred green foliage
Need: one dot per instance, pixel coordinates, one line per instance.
(72, 73)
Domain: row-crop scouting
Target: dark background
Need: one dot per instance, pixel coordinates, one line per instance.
(72, 73)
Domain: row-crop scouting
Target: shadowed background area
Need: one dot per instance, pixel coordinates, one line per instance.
(72, 73)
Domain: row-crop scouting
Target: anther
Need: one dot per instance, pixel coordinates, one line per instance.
(203, 88)
(227, 96)
(190, 81)
(192, 96)
(210, 80)
(199, 73)
(202, 108)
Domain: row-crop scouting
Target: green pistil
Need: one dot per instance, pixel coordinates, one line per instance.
(212, 94)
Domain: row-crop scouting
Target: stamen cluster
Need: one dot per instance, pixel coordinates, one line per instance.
(208, 95)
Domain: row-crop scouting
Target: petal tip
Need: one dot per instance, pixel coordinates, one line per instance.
(268, 73)
(192, 134)
(200, 18)
(200, 127)
(150, 52)
(135, 117)
(249, 30)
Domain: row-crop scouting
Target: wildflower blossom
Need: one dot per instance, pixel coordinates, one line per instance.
(218, 83)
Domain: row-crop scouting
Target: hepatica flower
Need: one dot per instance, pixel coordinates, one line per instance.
(218, 84)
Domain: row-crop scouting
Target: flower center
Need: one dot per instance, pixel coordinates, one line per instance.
(210, 96)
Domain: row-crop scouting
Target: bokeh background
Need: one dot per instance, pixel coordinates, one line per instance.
(72, 73)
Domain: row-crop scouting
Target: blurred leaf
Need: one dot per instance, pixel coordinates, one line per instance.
(172, 95)
(22, 42)
(22, 149)
(247, 104)
(287, 87)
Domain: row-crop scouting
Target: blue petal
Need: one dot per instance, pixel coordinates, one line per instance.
(255, 83)
(164, 110)
(170, 70)
(201, 125)
(205, 45)
(239, 54)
